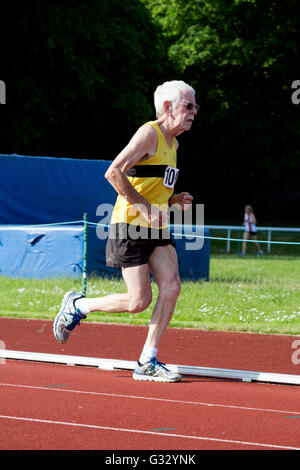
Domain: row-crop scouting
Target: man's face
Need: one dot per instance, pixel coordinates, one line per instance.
(184, 112)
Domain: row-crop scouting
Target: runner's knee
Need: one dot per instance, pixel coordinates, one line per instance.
(170, 289)
(139, 303)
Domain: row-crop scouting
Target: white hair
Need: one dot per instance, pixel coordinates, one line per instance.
(169, 91)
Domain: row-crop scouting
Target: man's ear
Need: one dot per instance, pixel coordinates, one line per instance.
(167, 107)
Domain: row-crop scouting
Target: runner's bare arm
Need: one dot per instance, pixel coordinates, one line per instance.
(181, 201)
(142, 146)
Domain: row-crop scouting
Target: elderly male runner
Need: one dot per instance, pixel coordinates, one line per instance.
(143, 175)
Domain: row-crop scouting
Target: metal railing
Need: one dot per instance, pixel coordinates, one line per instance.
(269, 230)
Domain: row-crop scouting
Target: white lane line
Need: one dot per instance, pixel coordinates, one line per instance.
(139, 431)
(168, 400)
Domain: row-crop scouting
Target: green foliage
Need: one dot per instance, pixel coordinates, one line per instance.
(80, 78)
(78, 70)
(241, 56)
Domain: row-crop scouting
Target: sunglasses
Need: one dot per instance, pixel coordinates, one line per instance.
(189, 106)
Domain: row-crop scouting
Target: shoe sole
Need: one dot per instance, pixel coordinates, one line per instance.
(63, 304)
(151, 378)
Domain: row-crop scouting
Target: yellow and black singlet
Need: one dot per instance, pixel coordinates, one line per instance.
(154, 179)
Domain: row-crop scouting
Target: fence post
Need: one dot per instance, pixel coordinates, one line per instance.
(269, 240)
(228, 240)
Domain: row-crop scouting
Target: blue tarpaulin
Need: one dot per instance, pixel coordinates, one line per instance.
(47, 190)
(31, 252)
(41, 190)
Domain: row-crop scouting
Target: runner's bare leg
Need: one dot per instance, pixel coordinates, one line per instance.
(136, 299)
(245, 237)
(163, 264)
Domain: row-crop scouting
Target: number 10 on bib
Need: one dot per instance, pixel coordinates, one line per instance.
(170, 177)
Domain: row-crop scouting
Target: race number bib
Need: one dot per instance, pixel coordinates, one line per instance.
(171, 175)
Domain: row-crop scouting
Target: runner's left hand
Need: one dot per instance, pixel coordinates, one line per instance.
(182, 201)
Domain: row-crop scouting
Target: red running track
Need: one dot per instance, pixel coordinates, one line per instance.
(49, 406)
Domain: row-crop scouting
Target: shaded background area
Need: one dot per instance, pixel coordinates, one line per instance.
(80, 80)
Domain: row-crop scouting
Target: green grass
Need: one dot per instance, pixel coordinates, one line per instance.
(243, 294)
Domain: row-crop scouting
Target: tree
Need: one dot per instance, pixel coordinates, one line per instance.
(241, 56)
(79, 75)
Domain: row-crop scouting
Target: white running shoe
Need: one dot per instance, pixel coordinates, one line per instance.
(155, 371)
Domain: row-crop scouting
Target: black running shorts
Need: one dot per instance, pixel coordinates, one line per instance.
(129, 245)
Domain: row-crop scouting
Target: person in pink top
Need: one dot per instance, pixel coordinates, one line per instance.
(250, 230)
